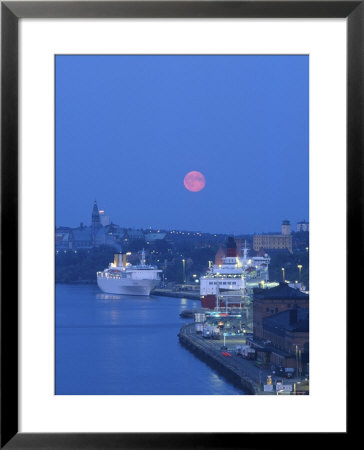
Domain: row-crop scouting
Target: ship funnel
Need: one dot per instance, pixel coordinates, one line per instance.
(118, 260)
(124, 259)
(231, 247)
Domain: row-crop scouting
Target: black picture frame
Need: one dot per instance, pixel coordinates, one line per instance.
(11, 12)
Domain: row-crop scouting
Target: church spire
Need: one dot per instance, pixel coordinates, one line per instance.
(95, 223)
(95, 219)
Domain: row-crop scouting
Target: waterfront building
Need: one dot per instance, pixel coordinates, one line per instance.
(288, 333)
(268, 302)
(302, 226)
(274, 241)
(285, 339)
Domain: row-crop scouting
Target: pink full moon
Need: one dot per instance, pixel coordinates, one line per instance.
(194, 181)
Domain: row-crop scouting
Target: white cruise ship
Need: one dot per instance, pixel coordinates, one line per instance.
(233, 277)
(122, 277)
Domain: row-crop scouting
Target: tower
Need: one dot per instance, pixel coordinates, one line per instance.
(286, 227)
(95, 223)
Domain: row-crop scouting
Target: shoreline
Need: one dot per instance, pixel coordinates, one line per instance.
(192, 295)
(77, 282)
(218, 362)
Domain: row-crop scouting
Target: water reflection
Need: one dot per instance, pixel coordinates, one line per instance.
(110, 344)
(108, 297)
(216, 380)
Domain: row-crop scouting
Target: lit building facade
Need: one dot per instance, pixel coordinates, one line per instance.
(274, 241)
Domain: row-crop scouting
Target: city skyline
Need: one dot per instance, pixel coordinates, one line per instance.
(104, 214)
(129, 129)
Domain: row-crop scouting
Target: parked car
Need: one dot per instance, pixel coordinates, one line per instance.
(286, 372)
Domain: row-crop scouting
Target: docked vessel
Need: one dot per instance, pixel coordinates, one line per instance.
(122, 277)
(227, 284)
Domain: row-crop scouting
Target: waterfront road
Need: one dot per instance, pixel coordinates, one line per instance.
(241, 365)
(236, 363)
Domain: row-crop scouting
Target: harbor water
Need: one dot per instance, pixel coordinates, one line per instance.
(108, 345)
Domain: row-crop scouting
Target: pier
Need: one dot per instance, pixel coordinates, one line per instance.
(239, 371)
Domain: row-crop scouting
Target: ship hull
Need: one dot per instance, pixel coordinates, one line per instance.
(126, 287)
(210, 302)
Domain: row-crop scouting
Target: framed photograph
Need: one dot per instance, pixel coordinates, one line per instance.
(181, 197)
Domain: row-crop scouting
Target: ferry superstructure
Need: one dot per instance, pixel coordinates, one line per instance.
(124, 278)
(233, 277)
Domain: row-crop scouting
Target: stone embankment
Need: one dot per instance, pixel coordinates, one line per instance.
(207, 351)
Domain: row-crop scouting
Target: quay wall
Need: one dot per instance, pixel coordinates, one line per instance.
(179, 294)
(216, 360)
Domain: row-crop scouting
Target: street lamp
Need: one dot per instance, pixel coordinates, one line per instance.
(300, 362)
(184, 271)
(283, 274)
(299, 272)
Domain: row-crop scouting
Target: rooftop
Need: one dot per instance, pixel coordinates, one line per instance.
(133, 234)
(280, 292)
(81, 234)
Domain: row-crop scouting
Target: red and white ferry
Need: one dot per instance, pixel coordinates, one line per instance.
(226, 284)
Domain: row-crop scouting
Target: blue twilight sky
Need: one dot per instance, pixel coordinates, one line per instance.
(128, 129)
